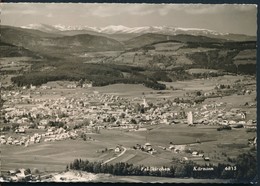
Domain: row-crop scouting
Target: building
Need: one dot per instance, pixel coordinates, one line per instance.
(195, 153)
(117, 149)
(145, 104)
(190, 118)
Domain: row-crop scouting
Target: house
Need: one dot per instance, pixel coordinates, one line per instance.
(201, 155)
(41, 127)
(32, 87)
(145, 104)
(87, 85)
(72, 86)
(243, 115)
(195, 153)
(20, 130)
(172, 147)
(152, 151)
(255, 142)
(148, 147)
(117, 149)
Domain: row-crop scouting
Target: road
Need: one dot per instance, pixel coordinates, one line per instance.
(111, 159)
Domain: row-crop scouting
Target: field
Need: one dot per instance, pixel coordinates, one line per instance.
(180, 88)
(151, 179)
(54, 156)
(15, 64)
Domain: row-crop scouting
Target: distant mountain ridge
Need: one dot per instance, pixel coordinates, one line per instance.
(122, 57)
(120, 29)
(115, 29)
(51, 43)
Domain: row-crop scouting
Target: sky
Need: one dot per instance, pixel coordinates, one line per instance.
(229, 18)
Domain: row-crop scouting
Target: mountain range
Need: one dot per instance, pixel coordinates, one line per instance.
(119, 30)
(56, 44)
(108, 55)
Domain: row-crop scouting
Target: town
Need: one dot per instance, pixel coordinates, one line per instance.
(61, 117)
(49, 114)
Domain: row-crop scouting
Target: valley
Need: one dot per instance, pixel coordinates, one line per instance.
(154, 103)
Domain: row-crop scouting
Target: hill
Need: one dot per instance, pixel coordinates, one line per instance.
(55, 44)
(150, 38)
(145, 59)
(169, 55)
(9, 50)
(121, 33)
(90, 43)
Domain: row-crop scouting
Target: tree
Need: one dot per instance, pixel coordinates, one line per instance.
(15, 126)
(246, 166)
(97, 167)
(198, 93)
(122, 115)
(27, 171)
(133, 121)
(75, 164)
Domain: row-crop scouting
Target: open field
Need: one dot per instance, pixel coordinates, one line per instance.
(138, 91)
(203, 84)
(151, 179)
(54, 156)
(50, 156)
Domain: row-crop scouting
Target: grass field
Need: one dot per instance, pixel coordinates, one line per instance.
(151, 179)
(54, 156)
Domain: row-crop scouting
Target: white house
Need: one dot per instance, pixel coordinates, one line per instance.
(117, 149)
(195, 153)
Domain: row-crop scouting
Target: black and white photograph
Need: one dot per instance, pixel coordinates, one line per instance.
(128, 92)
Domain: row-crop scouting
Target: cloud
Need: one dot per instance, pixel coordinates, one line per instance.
(109, 10)
(103, 10)
(200, 15)
(200, 9)
(19, 9)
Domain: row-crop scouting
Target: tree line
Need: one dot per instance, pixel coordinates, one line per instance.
(244, 168)
(99, 75)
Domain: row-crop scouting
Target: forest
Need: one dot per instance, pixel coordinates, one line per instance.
(99, 75)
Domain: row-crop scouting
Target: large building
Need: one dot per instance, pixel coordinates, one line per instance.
(190, 118)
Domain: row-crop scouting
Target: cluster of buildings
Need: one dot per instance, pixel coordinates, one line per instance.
(52, 134)
(217, 114)
(93, 111)
(147, 147)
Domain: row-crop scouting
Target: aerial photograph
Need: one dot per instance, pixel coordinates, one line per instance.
(117, 92)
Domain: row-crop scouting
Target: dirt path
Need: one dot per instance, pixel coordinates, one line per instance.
(111, 159)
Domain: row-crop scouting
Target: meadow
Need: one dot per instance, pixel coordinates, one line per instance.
(54, 156)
